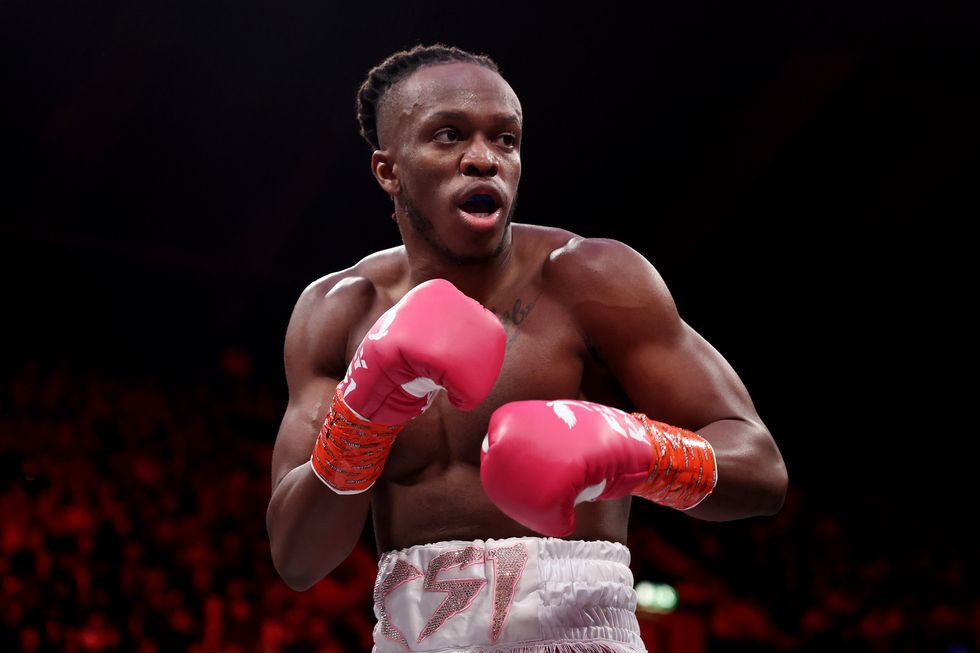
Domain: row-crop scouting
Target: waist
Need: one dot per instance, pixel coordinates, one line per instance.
(456, 508)
(506, 594)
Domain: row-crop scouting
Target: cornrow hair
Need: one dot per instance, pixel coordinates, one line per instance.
(396, 68)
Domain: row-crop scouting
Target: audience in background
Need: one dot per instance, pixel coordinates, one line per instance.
(132, 522)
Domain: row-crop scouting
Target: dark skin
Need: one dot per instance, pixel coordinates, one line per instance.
(585, 318)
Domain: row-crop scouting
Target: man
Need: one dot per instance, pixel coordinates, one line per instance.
(470, 435)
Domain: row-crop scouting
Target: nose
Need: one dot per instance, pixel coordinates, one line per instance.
(478, 160)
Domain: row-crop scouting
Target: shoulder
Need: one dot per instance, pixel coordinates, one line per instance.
(328, 307)
(585, 266)
(537, 245)
(610, 287)
(354, 288)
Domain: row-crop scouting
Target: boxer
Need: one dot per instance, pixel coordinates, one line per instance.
(495, 393)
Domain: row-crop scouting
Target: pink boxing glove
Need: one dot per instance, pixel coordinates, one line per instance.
(434, 338)
(542, 458)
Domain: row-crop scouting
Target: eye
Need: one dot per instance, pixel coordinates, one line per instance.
(507, 140)
(446, 135)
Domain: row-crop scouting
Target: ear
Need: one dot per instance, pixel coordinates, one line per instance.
(386, 172)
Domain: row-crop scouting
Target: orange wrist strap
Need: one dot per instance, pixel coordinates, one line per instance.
(683, 469)
(350, 451)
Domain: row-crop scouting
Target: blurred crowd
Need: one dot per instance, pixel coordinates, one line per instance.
(134, 521)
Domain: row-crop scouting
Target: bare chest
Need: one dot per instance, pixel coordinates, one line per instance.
(544, 360)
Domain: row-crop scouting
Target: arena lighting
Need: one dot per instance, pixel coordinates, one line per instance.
(655, 597)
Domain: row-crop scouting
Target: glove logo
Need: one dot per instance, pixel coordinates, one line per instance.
(563, 409)
(619, 421)
(358, 362)
(385, 322)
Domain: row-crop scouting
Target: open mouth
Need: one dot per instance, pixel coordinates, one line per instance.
(479, 206)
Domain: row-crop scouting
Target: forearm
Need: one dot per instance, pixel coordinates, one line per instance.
(752, 476)
(311, 528)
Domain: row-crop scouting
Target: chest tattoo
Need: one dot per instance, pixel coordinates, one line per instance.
(511, 318)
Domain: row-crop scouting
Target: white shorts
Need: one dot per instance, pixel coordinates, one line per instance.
(517, 595)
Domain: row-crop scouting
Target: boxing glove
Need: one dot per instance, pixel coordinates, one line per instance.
(434, 338)
(542, 458)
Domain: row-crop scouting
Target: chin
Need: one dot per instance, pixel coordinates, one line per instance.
(473, 253)
(483, 255)
(485, 252)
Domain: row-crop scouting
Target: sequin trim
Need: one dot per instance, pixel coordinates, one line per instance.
(460, 591)
(401, 573)
(547, 623)
(508, 566)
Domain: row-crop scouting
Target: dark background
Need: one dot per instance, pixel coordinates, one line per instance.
(803, 175)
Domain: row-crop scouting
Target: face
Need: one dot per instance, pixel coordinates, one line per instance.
(450, 138)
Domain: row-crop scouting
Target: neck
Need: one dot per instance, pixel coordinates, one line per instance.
(477, 279)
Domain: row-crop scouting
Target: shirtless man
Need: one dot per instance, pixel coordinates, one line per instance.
(527, 396)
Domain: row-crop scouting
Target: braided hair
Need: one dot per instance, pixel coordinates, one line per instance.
(396, 68)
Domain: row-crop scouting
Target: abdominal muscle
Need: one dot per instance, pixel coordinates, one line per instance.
(450, 504)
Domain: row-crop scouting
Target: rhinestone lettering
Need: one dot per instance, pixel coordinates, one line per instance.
(401, 573)
(460, 592)
(508, 566)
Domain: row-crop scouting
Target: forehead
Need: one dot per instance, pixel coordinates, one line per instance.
(455, 87)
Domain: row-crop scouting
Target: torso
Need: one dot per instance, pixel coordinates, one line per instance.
(430, 489)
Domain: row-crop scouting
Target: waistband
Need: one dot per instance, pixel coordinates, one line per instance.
(507, 595)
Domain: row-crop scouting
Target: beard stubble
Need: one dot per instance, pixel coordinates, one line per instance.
(424, 227)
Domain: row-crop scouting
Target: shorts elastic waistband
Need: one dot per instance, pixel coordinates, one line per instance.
(506, 594)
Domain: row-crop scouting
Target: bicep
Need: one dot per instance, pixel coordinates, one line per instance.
(307, 408)
(315, 360)
(667, 370)
(681, 379)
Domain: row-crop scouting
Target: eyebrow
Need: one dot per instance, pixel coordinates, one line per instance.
(459, 115)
